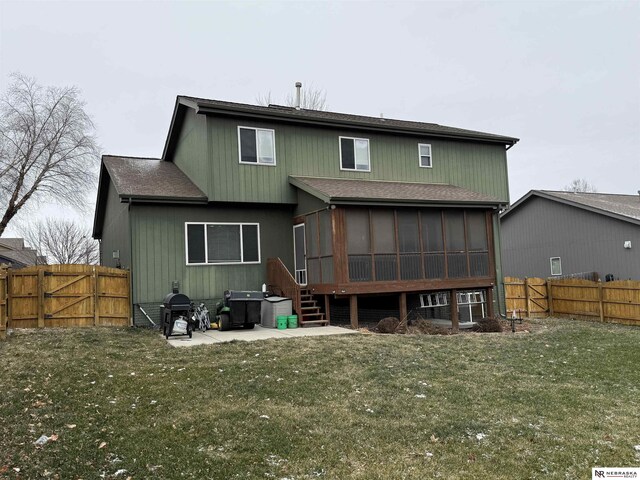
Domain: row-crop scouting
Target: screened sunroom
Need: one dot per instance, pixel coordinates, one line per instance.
(370, 238)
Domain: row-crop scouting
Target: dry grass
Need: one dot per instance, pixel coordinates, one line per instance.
(551, 404)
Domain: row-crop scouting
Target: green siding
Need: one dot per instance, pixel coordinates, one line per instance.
(312, 151)
(158, 236)
(191, 149)
(115, 231)
(308, 203)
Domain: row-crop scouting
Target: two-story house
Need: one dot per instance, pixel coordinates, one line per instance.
(323, 207)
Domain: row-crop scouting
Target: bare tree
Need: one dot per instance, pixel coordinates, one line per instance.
(61, 241)
(580, 185)
(47, 147)
(311, 98)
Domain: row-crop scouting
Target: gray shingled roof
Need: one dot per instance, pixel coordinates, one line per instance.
(14, 251)
(341, 190)
(620, 206)
(347, 119)
(625, 205)
(146, 178)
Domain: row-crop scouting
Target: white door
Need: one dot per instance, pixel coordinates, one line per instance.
(300, 254)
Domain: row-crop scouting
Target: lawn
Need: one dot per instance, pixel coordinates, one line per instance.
(121, 403)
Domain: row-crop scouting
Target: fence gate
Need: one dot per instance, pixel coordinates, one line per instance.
(527, 297)
(68, 295)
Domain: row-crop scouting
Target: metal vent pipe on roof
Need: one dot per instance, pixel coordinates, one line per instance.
(298, 88)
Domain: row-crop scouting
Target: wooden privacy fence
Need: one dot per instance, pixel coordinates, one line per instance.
(67, 296)
(3, 303)
(616, 302)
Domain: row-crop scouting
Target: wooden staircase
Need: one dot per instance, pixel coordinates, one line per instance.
(282, 283)
(310, 312)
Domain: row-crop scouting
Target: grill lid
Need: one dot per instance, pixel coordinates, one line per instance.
(176, 300)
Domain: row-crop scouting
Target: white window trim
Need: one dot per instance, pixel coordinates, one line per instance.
(551, 266)
(473, 297)
(432, 300)
(420, 155)
(206, 244)
(355, 169)
(257, 162)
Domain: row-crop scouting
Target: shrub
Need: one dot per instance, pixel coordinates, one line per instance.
(388, 325)
(485, 325)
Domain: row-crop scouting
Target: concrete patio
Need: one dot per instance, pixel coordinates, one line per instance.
(258, 333)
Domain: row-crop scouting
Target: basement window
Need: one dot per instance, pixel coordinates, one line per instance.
(424, 154)
(556, 266)
(222, 243)
(257, 146)
(471, 306)
(354, 154)
(438, 299)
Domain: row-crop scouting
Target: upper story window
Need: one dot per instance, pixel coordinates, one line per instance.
(222, 243)
(424, 153)
(257, 145)
(354, 154)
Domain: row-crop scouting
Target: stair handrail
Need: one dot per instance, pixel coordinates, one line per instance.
(283, 283)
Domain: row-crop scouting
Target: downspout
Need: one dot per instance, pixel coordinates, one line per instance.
(497, 239)
(133, 315)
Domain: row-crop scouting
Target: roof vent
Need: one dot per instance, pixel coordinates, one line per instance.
(298, 88)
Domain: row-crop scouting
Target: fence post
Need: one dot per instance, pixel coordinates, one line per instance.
(550, 296)
(600, 299)
(41, 297)
(526, 296)
(96, 297)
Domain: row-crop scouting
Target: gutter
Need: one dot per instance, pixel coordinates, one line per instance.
(516, 140)
(130, 199)
(354, 125)
(412, 203)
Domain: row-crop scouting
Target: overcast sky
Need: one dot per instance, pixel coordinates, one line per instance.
(564, 77)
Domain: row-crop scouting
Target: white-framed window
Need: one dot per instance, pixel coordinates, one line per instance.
(354, 154)
(438, 299)
(424, 155)
(471, 305)
(257, 146)
(221, 243)
(556, 265)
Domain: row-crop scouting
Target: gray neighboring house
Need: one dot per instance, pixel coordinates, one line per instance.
(14, 253)
(548, 233)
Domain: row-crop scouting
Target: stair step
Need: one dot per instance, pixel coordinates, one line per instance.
(313, 322)
(314, 307)
(311, 314)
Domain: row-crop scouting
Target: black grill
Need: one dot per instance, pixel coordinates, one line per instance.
(175, 306)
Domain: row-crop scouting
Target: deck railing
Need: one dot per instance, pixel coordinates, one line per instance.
(282, 283)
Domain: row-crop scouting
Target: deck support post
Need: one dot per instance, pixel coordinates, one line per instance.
(403, 307)
(327, 308)
(353, 310)
(490, 301)
(455, 321)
